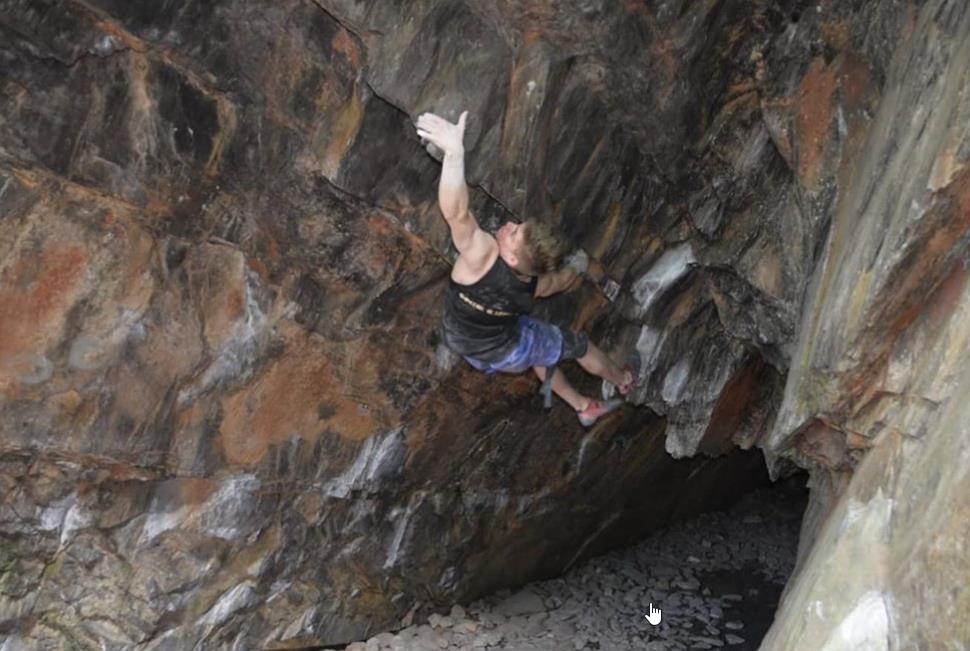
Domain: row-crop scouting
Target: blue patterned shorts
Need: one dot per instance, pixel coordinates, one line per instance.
(540, 344)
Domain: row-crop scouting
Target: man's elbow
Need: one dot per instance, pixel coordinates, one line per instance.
(568, 280)
(457, 219)
(453, 209)
(545, 291)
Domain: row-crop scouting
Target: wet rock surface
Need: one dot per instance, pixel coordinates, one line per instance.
(716, 578)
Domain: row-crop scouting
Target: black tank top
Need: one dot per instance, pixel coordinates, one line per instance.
(491, 334)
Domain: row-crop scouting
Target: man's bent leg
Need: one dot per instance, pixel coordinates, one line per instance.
(597, 363)
(562, 388)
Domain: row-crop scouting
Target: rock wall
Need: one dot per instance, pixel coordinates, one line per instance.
(227, 421)
(227, 418)
(876, 393)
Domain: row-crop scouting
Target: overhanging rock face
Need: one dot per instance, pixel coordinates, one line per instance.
(226, 415)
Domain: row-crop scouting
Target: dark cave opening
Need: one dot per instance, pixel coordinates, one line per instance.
(716, 577)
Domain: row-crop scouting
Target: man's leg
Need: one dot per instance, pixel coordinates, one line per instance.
(597, 363)
(563, 389)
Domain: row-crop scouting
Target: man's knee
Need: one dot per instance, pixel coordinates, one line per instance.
(574, 344)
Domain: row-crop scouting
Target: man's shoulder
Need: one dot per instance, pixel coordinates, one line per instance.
(468, 270)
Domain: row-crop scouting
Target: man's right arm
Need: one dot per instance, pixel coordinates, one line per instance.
(473, 243)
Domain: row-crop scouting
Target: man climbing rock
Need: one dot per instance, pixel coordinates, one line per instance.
(494, 282)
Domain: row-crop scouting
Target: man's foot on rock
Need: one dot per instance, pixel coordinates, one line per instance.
(632, 366)
(631, 375)
(597, 409)
(629, 380)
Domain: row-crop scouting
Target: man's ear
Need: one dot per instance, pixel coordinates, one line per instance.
(513, 260)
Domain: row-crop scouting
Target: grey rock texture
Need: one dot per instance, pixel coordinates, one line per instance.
(877, 396)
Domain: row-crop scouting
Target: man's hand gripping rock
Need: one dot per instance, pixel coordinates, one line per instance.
(443, 137)
(442, 134)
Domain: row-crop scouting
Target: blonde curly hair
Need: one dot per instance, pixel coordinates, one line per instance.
(544, 247)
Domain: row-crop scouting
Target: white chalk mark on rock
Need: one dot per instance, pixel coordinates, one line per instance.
(676, 381)
(379, 457)
(666, 271)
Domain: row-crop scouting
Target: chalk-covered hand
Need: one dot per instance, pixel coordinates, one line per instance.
(577, 261)
(443, 134)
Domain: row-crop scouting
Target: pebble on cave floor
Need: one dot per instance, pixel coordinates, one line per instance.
(717, 580)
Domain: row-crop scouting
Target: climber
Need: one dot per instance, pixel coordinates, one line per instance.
(494, 281)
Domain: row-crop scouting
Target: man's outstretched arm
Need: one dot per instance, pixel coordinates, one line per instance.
(471, 241)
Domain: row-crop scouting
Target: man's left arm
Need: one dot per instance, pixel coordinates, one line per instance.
(555, 282)
(563, 279)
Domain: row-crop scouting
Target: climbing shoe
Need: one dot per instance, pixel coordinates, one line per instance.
(597, 409)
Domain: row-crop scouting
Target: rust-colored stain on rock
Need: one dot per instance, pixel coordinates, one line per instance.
(942, 233)
(284, 400)
(344, 43)
(590, 310)
(686, 303)
(35, 296)
(218, 272)
(855, 81)
(767, 274)
(821, 443)
(737, 398)
(945, 300)
(836, 33)
(607, 233)
(816, 109)
(337, 135)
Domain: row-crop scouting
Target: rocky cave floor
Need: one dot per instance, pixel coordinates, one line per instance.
(717, 580)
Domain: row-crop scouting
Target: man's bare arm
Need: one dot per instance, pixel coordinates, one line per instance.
(555, 282)
(565, 278)
(471, 241)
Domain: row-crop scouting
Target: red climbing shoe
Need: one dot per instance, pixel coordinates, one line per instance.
(596, 409)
